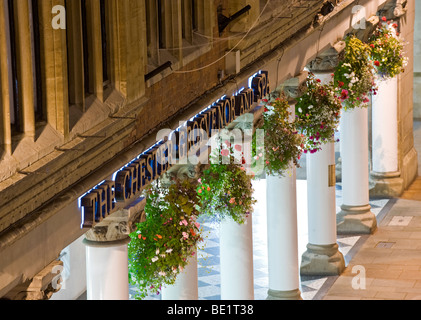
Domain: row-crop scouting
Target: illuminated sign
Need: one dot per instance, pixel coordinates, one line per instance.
(128, 182)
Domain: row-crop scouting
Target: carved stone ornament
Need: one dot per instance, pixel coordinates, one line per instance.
(327, 60)
(294, 87)
(393, 9)
(41, 287)
(370, 26)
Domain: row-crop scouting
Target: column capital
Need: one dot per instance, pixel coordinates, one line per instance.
(118, 225)
(394, 9)
(327, 60)
(294, 87)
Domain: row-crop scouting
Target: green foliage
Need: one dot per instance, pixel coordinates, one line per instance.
(317, 114)
(354, 78)
(282, 143)
(160, 247)
(225, 187)
(387, 50)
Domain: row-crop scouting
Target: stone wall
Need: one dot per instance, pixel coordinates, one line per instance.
(417, 61)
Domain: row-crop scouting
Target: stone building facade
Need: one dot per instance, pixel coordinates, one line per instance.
(79, 102)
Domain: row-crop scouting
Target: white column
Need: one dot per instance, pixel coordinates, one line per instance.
(282, 234)
(355, 216)
(385, 173)
(107, 270)
(186, 285)
(236, 260)
(322, 256)
(321, 195)
(385, 127)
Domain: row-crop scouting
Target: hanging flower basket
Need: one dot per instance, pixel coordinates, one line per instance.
(387, 50)
(282, 143)
(161, 246)
(317, 114)
(225, 188)
(354, 78)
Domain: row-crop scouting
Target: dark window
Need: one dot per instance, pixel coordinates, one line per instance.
(104, 41)
(85, 47)
(194, 15)
(15, 108)
(160, 25)
(39, 113)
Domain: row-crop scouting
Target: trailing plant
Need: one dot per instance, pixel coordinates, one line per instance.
(387, 50)
(354, 77)
(317, 113)
(161, 246)
(225, 188)
(282, 143)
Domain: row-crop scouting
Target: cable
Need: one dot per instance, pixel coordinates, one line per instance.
(231, 50)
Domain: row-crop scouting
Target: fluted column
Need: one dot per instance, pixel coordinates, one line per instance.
(356, 215)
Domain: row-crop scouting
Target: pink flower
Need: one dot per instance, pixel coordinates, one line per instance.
(225, 152)
(237, 147)
(183, 222)
(185, 235)
(344, 94)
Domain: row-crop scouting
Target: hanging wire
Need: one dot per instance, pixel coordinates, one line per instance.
(231, 50)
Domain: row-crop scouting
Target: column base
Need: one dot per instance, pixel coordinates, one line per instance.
(322, 260)
(356, 220)
(284, 295)
(388, 184)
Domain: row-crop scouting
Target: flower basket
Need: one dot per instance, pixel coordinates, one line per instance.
(354, 77)
(387, 50)
(282, 143)
(161, 246)
(317, 114)
(225, 188)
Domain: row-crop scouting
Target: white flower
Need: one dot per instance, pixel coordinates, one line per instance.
(154, 259)
(157, 251)
(311, 107)
(169, 250)
(300, 110)
(162, 273)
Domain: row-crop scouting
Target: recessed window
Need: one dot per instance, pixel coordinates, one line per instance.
(15, 106)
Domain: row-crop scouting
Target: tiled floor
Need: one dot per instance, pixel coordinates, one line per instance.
(311, 287)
